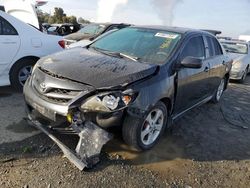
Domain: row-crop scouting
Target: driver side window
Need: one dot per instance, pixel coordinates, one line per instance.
(194, 48)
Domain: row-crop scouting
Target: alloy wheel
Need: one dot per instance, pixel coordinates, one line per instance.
(152, 127)
(24, 74)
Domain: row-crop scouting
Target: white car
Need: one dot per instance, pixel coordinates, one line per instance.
(239, 51)
(21, 46)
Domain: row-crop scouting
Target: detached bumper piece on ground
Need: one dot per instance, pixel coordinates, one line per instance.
(91, 140)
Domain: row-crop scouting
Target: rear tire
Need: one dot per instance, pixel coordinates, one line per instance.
(219, 92)
(20, 72)
(144, 133)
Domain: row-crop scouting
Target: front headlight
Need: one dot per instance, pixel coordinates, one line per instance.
(108, 102)
(237, 65)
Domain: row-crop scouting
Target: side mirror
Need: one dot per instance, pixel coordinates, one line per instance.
(191, 62)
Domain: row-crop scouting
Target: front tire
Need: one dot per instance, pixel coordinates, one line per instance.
(20, 72)
(144, 133)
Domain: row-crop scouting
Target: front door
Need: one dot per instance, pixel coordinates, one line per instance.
(192, 84)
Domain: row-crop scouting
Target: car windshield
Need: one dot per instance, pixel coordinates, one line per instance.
(92, 29)
(233, 47)
(147, 45)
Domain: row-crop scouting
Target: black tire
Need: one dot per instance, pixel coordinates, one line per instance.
(215, 98)
(132, 127)
(15, 70)
(242, 80)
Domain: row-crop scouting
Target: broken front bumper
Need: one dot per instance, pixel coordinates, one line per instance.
(91, 140)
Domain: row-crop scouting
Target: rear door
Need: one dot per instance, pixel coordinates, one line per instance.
(9, 44)
(216, 59)
(192, 85)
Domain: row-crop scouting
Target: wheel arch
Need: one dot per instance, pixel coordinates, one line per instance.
(22, 59)
(167, 101)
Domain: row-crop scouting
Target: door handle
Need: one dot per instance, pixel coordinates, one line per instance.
(206, 69)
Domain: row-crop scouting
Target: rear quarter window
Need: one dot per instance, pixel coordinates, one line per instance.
(6, 28)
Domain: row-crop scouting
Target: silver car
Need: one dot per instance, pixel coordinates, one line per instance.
(239, 52)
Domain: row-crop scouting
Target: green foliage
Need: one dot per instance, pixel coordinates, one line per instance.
(83, 21)
(58, 17)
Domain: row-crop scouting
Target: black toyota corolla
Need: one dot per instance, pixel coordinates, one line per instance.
(140, 78)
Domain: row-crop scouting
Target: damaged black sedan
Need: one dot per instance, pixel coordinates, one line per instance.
(140, 78)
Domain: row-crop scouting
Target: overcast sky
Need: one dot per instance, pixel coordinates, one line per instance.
(230, 16)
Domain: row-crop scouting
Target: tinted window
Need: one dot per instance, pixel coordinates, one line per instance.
(6, 28)
(217, 47)
(210, 46)
(194, 48)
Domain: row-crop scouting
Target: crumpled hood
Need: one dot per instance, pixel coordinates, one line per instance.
(236, 57)
(96, 69)
(78, 36)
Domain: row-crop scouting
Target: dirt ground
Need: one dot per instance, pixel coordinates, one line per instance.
(208, 147)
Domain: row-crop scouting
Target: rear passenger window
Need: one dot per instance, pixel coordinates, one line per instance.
(6, 28)
(194, 48)
(210, 46)
(214, 47)
(217, 47)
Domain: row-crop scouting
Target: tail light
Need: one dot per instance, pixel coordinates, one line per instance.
(62, 43)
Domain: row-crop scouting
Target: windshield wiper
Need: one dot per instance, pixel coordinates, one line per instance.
(106, 52)
(116, 54)
(133, 58)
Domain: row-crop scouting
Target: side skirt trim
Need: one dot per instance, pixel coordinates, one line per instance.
(177, 116)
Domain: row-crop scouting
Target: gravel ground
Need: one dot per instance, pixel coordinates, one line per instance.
(208, 147)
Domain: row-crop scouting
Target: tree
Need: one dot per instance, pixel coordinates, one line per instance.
(58, 17)
(83, 21)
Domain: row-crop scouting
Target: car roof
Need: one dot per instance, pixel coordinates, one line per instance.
(181, 30)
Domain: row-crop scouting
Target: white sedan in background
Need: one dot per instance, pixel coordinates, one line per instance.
(21, 46)
(240, 53)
